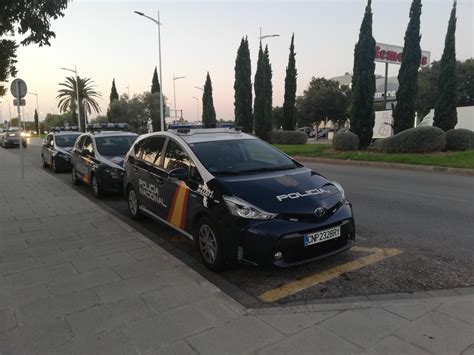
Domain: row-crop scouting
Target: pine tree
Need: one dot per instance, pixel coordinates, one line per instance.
(363, 82)
(37, 126)
(268, 108)
(155, 83)
(259, 101)
(113, 92)
(208, 111)
(445, 116)
(404, 112)
(289, 119)
(243, 88)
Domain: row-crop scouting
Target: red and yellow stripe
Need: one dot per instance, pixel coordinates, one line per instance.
(177, 212)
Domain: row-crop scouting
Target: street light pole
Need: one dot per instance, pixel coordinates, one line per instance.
(81, 129)
(266, 36)
(37, 107)
(158, 23)
(174, 94)
(197, 107)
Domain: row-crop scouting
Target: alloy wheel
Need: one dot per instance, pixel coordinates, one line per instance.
(207, 244)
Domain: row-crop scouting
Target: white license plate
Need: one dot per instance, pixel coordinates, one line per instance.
(322, 236)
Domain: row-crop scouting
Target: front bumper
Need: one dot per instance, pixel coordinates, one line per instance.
(260, 241)
(109, 183)
(63, 162)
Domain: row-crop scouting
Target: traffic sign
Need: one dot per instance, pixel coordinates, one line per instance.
(18, 88)
(20, 102)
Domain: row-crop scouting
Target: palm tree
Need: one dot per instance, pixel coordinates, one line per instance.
(67, 96)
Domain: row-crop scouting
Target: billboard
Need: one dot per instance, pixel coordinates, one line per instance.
(388, 53)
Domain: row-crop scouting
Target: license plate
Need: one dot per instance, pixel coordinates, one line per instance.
(322, 236)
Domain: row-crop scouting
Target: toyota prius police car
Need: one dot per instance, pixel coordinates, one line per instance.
(237, 197)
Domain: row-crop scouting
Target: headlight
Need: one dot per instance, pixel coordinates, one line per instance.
(11, 135)
(341, 190)
(241, 208)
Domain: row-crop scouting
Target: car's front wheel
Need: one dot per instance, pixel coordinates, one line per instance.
(210, 244)
(43, 162)
(54, 166)
(74, 178)
(133, 204)
(96, 188)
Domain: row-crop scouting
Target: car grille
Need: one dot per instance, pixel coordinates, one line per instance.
(310, 218)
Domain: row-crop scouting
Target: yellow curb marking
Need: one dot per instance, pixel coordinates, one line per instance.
(378, 254)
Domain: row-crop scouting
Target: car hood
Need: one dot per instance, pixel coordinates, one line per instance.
(295, 191)
(64, 150)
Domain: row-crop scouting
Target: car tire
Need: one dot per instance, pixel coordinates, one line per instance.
(209, 244)
(96, 188)
(133, 204)
(54, 167)
(74, 178)
(43, 162)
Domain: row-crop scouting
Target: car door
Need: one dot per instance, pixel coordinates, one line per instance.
(151, 175)
(86, 162)
(48, 149)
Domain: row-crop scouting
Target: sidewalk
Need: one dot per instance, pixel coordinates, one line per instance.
(76, 280)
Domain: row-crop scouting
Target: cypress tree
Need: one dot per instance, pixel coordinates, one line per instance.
(243, 88)
(113, 92)
(363, 81)
(155, 84)
(289, 120)
(259, 101)
(208, 111)
(268, 108)
(445, 116)
(37, 126)
(404, 112)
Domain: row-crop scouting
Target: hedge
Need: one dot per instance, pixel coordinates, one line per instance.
(459, 139)
(288, 137)
(414, 140)
(345, 141)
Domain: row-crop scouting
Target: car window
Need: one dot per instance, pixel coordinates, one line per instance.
(88, 145)
(152, 149)
(175, 157)
(114, 145)
(79, 143)
(138, 148)
(66, 140)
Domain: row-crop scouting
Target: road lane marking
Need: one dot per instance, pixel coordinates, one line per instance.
(417, 194)
(378, 254)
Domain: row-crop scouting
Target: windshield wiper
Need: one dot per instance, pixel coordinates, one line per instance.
(225, 172)
(268, 168)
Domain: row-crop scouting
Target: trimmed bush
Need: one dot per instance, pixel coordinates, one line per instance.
(459, 139)
(288, 137)
(345, 141)
(378, 144)
(415, 140)
(472, 139)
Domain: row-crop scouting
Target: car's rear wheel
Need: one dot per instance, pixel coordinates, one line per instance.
(74, 178)
(96, 188)
(210, 244)
(133, 204)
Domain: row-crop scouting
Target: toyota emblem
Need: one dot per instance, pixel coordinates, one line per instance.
(320, 212)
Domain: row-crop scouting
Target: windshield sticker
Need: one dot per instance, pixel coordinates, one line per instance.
(295, 195)
(151, 192)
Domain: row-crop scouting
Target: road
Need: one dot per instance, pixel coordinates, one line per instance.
(426, 217)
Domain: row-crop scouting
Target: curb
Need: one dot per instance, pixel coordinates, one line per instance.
(425, 168)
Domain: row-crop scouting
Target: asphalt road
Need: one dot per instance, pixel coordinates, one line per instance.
(428, 217)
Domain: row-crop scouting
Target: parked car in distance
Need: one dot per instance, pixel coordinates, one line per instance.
(97, 160)
(56, 150)
(11, 139)
(307, 130)
(238, 197)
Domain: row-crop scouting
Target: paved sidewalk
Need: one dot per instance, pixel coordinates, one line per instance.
(76, 280)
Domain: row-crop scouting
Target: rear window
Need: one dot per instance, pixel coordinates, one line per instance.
(114, 145)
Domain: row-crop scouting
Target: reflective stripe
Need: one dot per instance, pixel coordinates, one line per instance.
(177, 213)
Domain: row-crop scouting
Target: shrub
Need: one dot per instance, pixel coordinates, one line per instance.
(288, 137)
(415, 140)
(459, 139)
(472, 139)
(345, 141)
(378, 144)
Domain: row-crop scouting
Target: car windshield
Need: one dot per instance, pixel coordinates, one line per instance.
(242, 156)
(114, 145)
(66, 140)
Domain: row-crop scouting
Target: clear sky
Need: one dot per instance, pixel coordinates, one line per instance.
(106, 40)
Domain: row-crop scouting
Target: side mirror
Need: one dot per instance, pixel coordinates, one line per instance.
(179, 173)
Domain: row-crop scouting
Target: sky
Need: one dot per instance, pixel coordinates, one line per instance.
(106, 40)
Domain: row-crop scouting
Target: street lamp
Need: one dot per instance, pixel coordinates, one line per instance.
(267, 36)
(197, 107)
(158, 23)
(82, 129)
(174, 93)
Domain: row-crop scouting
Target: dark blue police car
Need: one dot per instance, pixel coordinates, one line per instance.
(56, 150)
(238, 197)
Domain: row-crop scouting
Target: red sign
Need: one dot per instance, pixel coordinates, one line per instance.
(387, 53)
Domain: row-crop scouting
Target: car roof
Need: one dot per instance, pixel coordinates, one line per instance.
(65, 133)
(111, 133)
(200, 135)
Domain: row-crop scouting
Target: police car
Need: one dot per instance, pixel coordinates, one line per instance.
(97, 160)
(237, 197)
(56, 150)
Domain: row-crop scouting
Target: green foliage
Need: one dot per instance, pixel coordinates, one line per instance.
(53, 120)
(113, 92)
(415, 140)
(37, 125)
(30, 20)
(288, 137)
(243, 88)
(323, 99)
(290, 90)
(155, 83)
(345, 141)
(208, 111)
(263, 95)
(445, 116)
(404, 112)
(363, 81)
(459, 139)
(100, 119)
(465, 81)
